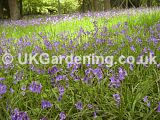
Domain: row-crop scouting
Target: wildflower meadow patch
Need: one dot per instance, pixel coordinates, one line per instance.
(38, 82)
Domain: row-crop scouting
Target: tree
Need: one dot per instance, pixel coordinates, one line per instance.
(4, 9)
(94, 5)
(1, 9)
(85, 5)
(14, 9)
(20, 7)
(59, 7)
(107, 5)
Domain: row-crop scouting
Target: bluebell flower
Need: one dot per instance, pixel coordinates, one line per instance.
(95, 115)
(61, 90)
(19, 115)
(62, 116)
(133, 48)
(2, 79)
(145, 99)
(46, 104)
(114, 82)
(158, 109)
(117, 98)
(3, 89)
(131, 67)
(90, 106)
(35, 87)
(53, 70)
(79, 105)
(11, 90)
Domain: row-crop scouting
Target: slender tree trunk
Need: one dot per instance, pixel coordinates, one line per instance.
(21, 7)
(1, 9)
(107, 5)
(59, 7)
(90, 5)
(127, 4)
(14, 10)
(94, 5)
(83, 6)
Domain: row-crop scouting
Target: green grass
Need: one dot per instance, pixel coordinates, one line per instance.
(71, 26)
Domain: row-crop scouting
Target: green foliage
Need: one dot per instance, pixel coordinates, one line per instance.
(49, 6)
(70, 6)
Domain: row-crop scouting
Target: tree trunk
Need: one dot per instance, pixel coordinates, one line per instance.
(59, 7)
(94, 5)
(89, 5)
(127, 4)
(14, 9)
(6, 6)
(1, 10)
(21, 7)
(83, 6)
(107, 5)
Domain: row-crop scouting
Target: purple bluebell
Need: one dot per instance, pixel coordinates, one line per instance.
(155, 40)
(131, 67)
(122, 73)
(140, 40)
(158, 109)
(110, 42)
(79, 105)
(56, 44)
(62, 116)
(59, 78)
(158, 66)
(23, 93)
(133, 48)
(19, 115)
(129, 38)
(86, 79)
(90, 106)
(35, 87)
(145, 50)
(48, 45)
(114, 82)
(61, 90)
(3, 89)
(46, 104)
(11, 90)
(44, 118)
(148, 103)
(145, 99)
(2, 79)
(95, 115)
(1, 51)
(117, 98)
(59, 98)
(152, 53)
(23, 87)
(53, 70)
(18, 76)
(76, 78)
(98, 72)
